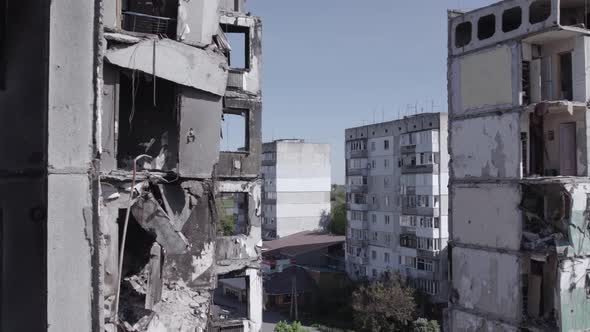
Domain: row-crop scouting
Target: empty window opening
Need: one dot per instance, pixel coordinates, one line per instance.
(234, 131)
(462, 35)
(148, 16)
(574, 13)
(232, 210)
(539, 11)
(239, 41)
(486, 27)
(539, 288)
(566, 76)
(141, 282)
(511, 19)
(147, 122)
(587, 284)
(526, 82)
(230, 302)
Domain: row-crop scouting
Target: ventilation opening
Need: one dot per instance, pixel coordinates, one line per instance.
(233, 214)
(147, 122)
(574, 13)
(234, 131)
(539, 11)
(239, 41)
(486, 27)
(463, 34)
(153, 17)
(230, 303)
(511, 19)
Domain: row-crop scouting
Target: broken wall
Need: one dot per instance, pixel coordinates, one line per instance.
(489, 215)
(483, 147)
(471, 94)
(573, 277)
(488, 282)
(200, 125)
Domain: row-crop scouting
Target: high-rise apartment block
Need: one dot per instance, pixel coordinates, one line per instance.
(519, 124)
(396, 182)
(296, 187)
(111, 172)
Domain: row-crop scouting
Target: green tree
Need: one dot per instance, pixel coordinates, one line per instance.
(226, 220)
(384, 306)
(338, 219)
(283, 326)
(425, 325)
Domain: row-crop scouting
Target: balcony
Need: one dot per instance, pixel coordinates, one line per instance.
(357, 207)
(359, 154)
(356, 242)
(408, 149)
(357, 172)
(408, 230)
(421, 211)
(414, 169)
(236, 78)
(421, 253)
(357, 188)
(143, 23)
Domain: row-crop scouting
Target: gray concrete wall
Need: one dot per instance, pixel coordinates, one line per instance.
(70, 118)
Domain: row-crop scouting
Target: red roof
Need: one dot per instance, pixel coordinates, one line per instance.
(302, 242)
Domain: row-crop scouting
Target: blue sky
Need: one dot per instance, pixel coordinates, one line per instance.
(333, 64)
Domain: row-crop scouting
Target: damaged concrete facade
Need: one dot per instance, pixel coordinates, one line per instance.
(116, 178)
(397, 202)
(519, 191)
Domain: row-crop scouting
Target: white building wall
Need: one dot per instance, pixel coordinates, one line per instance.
(302, 183)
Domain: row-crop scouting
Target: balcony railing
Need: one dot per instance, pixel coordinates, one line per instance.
(413, 169)
(359, 154)
(143, 23)
(357, 188)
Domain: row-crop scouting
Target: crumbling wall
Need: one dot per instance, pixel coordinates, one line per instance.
(488, 283)
(481, 223)
(574, 301)
(466, 322)
(483, 147)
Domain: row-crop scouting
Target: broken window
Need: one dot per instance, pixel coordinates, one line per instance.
(230, 303)
(147, 122)
(148, 16)
(511, 19)
(234, 131)
(463, 34)
(141, 283)
(233, 214)
(587, 284)
(539, 11)
(239, 40)
(574, 13)
(486, 26)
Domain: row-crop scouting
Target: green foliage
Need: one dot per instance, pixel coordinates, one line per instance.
(227, 225)
(226, 221)
(425, 325)
(283, 326)
(384, 306)
(338, 219)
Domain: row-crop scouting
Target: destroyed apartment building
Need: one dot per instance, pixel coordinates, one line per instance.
(519, 138)
(112, 171)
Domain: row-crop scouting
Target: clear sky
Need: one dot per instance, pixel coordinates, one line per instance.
(334, 64)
